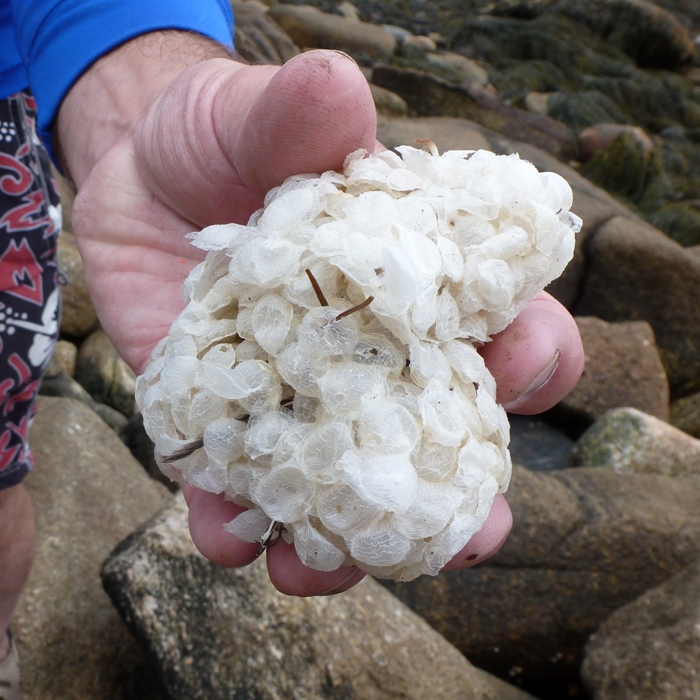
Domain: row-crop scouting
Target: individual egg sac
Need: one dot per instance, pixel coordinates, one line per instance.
(324, 371)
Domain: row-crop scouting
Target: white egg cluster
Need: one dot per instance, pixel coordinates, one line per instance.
(324, 371)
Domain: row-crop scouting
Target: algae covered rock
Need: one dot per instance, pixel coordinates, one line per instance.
(629, 441)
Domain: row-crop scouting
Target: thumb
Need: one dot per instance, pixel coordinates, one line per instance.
(222, 134)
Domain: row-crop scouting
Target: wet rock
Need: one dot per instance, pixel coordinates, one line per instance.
(650, 649)
(538, 446)
(623, 368)
(585, 542)
(78, 315)
(310, 28)
(428, 95)
(651, 35)
(685, 414)
(599, 137)
(89, 493)
(635, 272)
(218, 633)
(257, 38)
(104, 374)
(629, 441)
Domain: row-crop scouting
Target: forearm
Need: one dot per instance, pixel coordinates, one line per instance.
(104, 104)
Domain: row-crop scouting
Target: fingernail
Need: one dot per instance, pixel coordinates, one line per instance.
(538, 382)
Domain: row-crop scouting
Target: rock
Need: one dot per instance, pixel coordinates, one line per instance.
(623, 368)
(680, 221)
(259, 39)
(78, 315)
(537, 102)
(685, 414)
(218, 633)
(650, 649)
(627, 168)
(585, 542)
(599, 137)
(388, 102)
(629, 441)
(66, 353)
(104, 374)
(89, 493)
(635, 272)
(537, 446)
(310, 28)
(651, 35)
(463, 68)
(417, 46)
(428, 95)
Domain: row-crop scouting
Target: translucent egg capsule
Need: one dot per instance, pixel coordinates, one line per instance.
(324, 372)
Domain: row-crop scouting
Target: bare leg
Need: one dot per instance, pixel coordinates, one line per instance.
(17, 537)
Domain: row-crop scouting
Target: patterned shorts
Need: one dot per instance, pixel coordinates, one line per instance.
(30, 221)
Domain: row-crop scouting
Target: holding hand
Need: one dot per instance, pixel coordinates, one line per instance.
(159, 148)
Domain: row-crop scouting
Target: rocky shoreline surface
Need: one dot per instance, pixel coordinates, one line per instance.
(595, 594)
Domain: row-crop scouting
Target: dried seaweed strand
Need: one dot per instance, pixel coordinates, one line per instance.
(359, 307)
(317, 288)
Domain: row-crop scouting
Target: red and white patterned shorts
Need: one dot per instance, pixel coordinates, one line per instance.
(30, 221)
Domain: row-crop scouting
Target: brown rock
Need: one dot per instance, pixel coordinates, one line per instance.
(89, 493)
(623, 368)
(78, 315)
(585, 542)
(66, 353)
(635, 272)
(311, 29)
(388, 102)
(650, 649)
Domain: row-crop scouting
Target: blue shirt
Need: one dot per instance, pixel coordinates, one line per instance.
(47, 44)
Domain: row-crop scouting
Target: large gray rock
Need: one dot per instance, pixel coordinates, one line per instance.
(218, 633)
(635, 272)
(89, 493)
(629, 441)
(650, 649)
(623, 368)
(585, 542)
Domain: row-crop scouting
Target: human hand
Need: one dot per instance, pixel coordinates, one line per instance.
(217, 136)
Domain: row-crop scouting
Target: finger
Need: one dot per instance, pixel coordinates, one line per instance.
(291, 577)
(232, 132)
(488, 540)
(208, 513)
(538, 359)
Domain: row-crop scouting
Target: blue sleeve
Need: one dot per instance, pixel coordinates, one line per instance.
(59, 39)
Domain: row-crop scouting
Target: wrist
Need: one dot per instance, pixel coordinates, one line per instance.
(105, 103)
